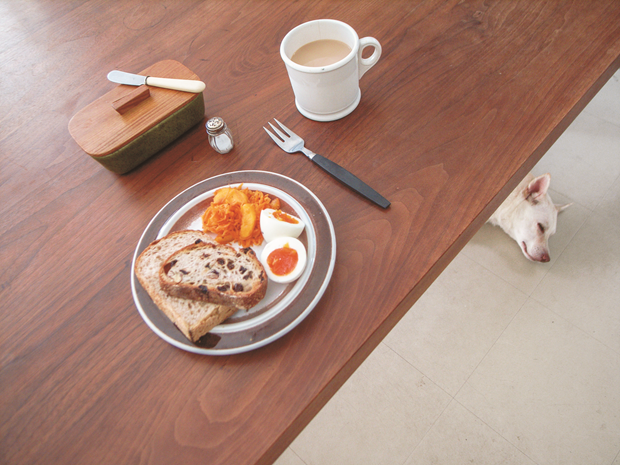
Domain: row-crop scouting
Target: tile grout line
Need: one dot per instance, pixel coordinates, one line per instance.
(574, 326)
(591, 213)
(452, 399)
(476, 368)
(498, 433)
(297, 455)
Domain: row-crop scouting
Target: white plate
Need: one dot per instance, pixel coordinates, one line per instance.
(285, 305)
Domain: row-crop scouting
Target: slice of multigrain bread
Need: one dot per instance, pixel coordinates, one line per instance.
(215, 273)
(193, 318)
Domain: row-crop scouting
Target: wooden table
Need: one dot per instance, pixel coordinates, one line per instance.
(465, 100)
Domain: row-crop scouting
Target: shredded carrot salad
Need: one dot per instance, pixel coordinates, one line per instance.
(234, 215)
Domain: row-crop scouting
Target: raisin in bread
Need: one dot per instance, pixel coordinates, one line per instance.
(193, 318)
(215, 273)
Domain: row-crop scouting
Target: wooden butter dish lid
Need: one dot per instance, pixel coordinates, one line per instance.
(126, 112)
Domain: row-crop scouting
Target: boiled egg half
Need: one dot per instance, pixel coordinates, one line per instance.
(276, 223)
(284, 259)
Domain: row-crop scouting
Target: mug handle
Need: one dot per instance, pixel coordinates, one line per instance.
(366, 63)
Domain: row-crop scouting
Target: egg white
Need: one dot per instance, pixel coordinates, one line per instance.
(272, 227)
(278, 243)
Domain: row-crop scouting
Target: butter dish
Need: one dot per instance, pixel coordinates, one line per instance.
(128, 125)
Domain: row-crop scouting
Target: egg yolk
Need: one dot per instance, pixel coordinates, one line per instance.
(280, 215)
(282, 261)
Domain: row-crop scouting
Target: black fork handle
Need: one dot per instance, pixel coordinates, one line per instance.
(350, 180)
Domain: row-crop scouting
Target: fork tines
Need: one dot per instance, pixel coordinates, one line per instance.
(283, 137)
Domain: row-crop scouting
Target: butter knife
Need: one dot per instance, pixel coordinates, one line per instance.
(185, 85)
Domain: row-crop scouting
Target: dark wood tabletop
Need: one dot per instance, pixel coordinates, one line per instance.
(466, 98)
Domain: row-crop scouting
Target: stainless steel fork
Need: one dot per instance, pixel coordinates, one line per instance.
(291, 142)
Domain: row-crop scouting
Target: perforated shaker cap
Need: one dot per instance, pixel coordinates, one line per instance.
(215, 125)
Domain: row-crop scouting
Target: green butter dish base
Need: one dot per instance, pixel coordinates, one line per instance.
(152, 141)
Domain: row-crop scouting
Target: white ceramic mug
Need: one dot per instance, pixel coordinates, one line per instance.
(328, 93)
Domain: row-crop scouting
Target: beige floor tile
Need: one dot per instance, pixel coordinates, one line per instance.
(497, 252)
(610, 205)
(605, 104)
(549, 389)
(585, 161)
(288, 457)
(584, 284)
(459, 437)
(451, 328)
(378, 417)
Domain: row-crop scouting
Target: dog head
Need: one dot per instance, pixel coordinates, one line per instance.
(536, 219)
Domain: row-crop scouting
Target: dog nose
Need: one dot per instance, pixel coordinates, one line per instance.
(545, 258)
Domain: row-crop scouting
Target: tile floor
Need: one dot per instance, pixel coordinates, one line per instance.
(503, 361)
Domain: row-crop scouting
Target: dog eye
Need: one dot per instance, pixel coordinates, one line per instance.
(541, 228)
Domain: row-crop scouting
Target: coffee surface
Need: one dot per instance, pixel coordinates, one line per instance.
(321, 53)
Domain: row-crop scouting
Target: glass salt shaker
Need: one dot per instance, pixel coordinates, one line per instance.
(220, 136)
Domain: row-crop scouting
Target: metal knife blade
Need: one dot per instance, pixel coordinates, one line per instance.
(120, 77)
(185, 85)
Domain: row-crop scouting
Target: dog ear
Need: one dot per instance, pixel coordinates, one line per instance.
(561, 208)
(537, 188)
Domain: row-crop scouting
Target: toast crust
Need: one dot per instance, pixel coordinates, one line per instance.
(193, 318)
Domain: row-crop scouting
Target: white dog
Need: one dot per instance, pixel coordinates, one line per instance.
(529, 216)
